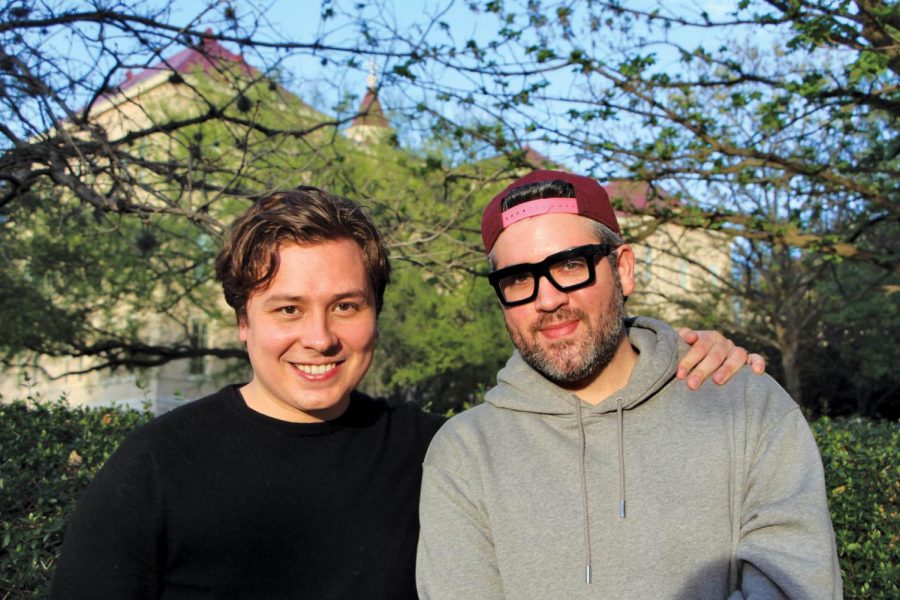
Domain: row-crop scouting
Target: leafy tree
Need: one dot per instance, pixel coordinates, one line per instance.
(114, 202)
(799, 96)
(778, 294)
(850, 365)
(774, 123)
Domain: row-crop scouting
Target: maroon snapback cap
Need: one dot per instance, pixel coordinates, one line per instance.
(590, 201)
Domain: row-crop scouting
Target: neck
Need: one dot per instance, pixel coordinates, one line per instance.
(612, 378)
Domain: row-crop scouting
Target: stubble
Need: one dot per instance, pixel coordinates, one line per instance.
(573, 361)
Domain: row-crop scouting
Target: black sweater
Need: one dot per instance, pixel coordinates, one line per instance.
(215, 500)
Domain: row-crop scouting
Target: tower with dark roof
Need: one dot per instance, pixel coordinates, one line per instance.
(370, 126)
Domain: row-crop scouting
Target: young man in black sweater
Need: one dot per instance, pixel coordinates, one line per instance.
(293, 485)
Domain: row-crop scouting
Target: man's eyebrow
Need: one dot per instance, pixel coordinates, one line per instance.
(358, 293)
(280, 298)
(295, 299)
(554, 256)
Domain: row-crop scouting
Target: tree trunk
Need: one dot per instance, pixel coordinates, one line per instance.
(791, 372)
(789, 344)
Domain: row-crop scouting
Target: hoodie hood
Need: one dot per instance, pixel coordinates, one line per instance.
(521, 388)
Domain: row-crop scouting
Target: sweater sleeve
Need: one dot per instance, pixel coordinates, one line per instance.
(456, 557)
(111, 549)
(787, 546)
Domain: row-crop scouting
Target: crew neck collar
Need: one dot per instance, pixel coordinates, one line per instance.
(348, 418)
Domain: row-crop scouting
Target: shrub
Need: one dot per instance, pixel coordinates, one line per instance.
(50, 451)
(862, 474)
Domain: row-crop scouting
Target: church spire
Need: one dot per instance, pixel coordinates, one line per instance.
(371, 80)
(370, 124)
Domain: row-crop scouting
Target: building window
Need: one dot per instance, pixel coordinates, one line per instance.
(647, 268)
(683, 275)
(198, 342)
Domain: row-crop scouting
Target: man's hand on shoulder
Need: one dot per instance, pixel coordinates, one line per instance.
(713, 354)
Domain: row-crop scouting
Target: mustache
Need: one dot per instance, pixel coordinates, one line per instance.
(563, 314)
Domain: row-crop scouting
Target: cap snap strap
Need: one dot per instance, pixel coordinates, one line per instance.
(542, 206)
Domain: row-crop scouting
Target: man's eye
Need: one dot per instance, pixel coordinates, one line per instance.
(572, 265)
(346, 307)
(523, 279)
(288, 310)
(569, 267)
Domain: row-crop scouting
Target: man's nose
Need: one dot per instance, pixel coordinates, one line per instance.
(548, 297)
(318, 334)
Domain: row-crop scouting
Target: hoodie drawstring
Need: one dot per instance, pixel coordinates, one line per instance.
(584, 494)
(621, 434)
(585, 505)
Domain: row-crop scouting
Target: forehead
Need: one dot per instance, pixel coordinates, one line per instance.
(533, 239)
(323, 269)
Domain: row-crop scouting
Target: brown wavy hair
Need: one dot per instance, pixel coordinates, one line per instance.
(306, 215)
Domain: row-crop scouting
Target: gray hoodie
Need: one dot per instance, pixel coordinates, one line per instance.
(656, 492)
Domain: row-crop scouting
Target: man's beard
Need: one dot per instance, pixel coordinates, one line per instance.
(575, 360)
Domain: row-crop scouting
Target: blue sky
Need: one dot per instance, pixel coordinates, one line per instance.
(301, 20)
(323, 86)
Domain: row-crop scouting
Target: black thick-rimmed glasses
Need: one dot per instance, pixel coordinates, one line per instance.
(568, 271)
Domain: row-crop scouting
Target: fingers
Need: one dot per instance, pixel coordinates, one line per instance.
(713, 354)
(709, 352)
(757, 363)
(736, 359)
(691, 358)
(688, 335)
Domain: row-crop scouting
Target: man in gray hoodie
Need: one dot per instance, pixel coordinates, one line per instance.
(588, 472)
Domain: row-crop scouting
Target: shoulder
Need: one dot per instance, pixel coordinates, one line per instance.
(470, 420)
(410, 412)
(168, 446)
(463, 434)
(189, 424)
(755, 403)
(209, 407)
(761, 397)
(770, 413)
(402, 417)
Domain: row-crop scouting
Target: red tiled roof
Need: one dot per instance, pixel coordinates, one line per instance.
(537, 160)
(631, 196)
(209, 56)
(638, 196)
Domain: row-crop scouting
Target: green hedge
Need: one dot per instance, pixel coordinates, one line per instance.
(862, 472)
(50, 451)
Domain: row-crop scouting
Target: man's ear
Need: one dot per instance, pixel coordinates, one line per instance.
(625, 267)
(242, 328)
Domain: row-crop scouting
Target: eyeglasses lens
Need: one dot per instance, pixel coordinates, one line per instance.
(566, 273)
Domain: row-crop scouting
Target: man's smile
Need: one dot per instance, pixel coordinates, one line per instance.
(559, 329)
(316, 372)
